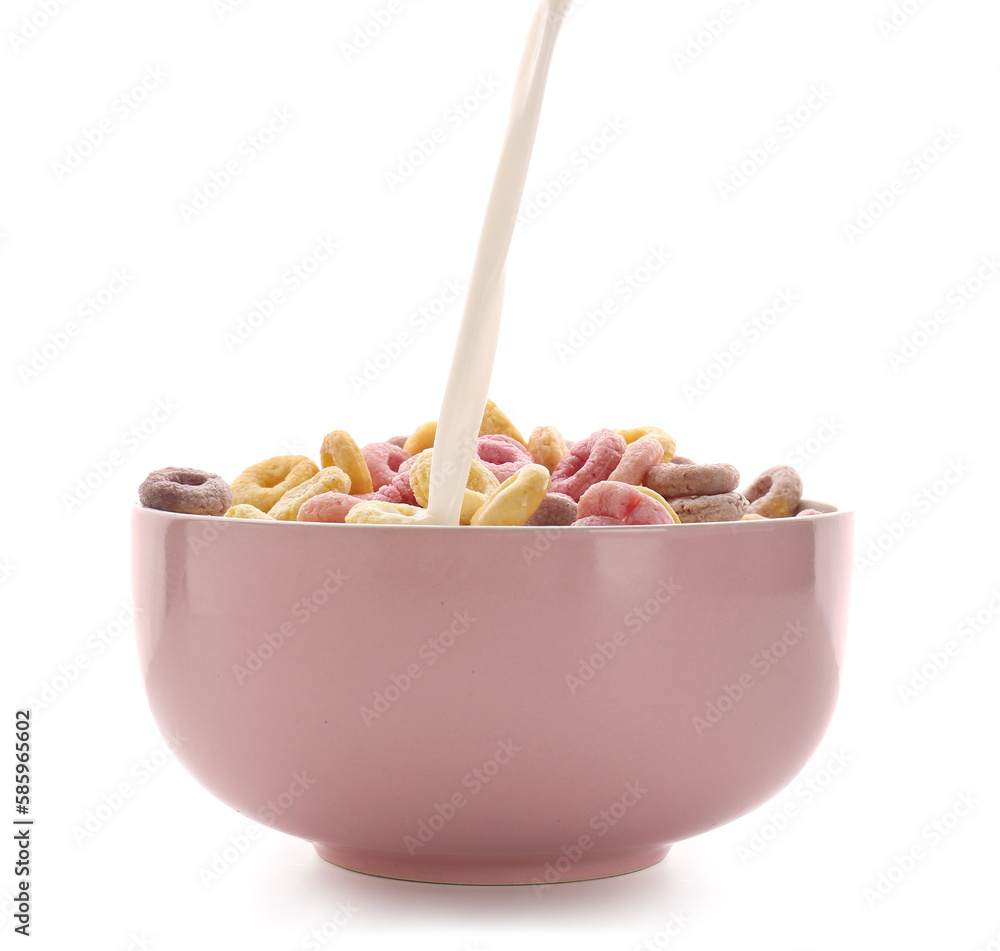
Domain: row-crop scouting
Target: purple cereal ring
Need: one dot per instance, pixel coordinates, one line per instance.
(775, 493)
(327, 507)
(638, 459)
(383, 460)
(502, 455)
(590, 461)
(808, 512)
(671, 479)
(682, 461)
(399, 441)
(725, 507)
(591, 520)
(188, 491)
(623, 502)
(555, 509)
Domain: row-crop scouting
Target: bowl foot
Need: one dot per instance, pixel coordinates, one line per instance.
(538, 870)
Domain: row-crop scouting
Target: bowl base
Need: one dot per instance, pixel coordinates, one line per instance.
(542, 871)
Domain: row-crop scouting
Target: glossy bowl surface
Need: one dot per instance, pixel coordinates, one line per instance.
(492, 705)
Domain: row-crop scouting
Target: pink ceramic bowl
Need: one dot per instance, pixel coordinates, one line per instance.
(492, 705)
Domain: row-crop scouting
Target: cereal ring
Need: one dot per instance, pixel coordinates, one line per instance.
(397, 441)
(398, 492)
(808, 512)
(598, 520)
(480, 485)
(247, 511)
(327, 507)
(496, 423)
(681, 461)
(753, 518)
(663, 438)
(547, 447)
(672, 480)
(645, 490)
(385, 513)
(340, 450)
(502, 455)
(555, 509)
(517, 498)
(639, 457)
(775, 493)
(186, 491)
(725, 507)
(588, 462)
(383, 460)
(421, 438)
(263, 483)
(331, 479)
(624, 502)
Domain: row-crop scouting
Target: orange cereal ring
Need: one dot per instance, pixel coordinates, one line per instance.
(340, 450)
(496, 423)
(263, 483)
(547, 447)
(775, 493)
(330, 479)
(421, 438)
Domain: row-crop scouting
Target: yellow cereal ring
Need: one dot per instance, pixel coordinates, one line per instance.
(516, 499)
(752, 517)
(247, 511)
(495, 422)
(480, 485)
(420, 439)
(385, 513)
(340, 450)
(665, 439)
(547, 447)
(330, 479)
(659, 498)
(263, 483)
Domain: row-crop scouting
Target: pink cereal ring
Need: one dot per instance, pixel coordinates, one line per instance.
(808, 512)
(638, 459)
(591, 520)
(502, 455)
(590, 461)
(624, 502)
(555, 509)
(384, 460)
(327, 507)
(399, 491)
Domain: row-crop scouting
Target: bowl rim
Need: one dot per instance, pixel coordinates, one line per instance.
(827, 512)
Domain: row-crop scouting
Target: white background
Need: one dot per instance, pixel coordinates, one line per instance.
(917, 104)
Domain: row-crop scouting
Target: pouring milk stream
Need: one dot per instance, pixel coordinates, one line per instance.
(472, 364)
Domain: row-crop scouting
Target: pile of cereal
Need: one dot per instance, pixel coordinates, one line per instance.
(612, 478)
